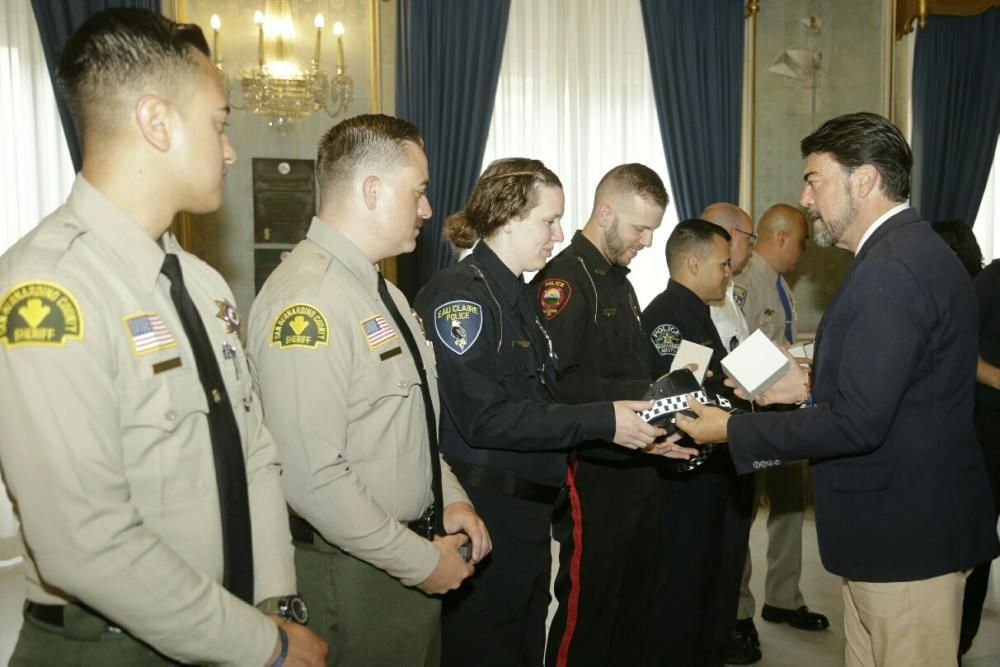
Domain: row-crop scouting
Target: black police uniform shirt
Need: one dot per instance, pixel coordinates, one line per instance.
(592, 315)
(496, 370)
(678, 314)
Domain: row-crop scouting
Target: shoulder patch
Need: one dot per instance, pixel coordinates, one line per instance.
(39, 312)
(148, 333)
(377, 331)
(739, 296)
(666, 338)
(458, 324)
(300, 325)
(553, 295)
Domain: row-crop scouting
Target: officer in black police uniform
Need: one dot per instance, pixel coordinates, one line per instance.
(706, 511)
(608, 524)
(502, 431)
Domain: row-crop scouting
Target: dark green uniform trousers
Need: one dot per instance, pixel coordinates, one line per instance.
(366, 617)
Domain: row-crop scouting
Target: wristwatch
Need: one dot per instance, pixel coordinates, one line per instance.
(289, 607)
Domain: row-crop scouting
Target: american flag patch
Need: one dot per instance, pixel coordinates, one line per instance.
(377, 331)
(148, 333)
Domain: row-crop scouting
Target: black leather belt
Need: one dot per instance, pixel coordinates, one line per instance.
(504, 482)
(302, 530)
(54, 614)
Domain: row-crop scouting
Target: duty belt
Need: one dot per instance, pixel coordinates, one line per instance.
(302, 530)
(504, 482)
(55, 614)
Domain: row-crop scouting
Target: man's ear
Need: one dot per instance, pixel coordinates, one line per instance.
(605, 214)
(781, 236)
(693, 263)
(866, 178)
(154, 118)
(371, 190)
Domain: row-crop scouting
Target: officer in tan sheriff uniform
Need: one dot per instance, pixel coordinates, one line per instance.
(343, 394)
(109, 438)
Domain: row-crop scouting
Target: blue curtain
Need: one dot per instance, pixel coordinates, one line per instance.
(449, 54)
(696, 59)
(57, 20)
(956, 113)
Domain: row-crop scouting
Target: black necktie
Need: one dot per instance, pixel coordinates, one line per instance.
(227, 452)
(437, 515)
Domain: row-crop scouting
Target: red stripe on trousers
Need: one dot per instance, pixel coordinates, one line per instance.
(572, 606)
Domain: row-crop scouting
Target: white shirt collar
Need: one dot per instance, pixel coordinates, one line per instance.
(878, 223)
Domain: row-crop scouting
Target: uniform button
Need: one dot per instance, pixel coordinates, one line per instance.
(402, 385)
(170, 415)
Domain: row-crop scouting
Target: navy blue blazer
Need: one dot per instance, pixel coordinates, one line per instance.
(900, 489)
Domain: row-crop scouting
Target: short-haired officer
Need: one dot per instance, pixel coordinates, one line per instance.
(350, 391)
(147, 487)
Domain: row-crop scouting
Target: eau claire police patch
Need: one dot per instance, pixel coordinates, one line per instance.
(458, 324)
(39, 313)
(300, 325)
(553, 295)
(666, 339)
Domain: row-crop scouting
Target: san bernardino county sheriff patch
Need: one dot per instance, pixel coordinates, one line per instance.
(300, 325)
(458, 324)
(39, 312)
(666, 339)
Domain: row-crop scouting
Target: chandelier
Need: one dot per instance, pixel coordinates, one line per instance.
(278, 89)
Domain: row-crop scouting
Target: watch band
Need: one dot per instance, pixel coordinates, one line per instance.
(283, 636)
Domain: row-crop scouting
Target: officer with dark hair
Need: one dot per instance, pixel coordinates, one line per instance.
(706, 511)
(147, 486)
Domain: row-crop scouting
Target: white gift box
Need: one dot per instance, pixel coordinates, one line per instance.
(756, 364)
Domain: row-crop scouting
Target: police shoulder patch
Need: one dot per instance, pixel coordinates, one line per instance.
(458, 324)
(553, 295)
(739, 295)
(39, 312)
(666, 338)
(300, 325)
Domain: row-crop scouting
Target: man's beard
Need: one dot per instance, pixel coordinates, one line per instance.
(831, 231)
(618, 248)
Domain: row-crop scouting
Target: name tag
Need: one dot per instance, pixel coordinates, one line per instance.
(522, 343)
(610, 312)
(389, 354)
(163, 366)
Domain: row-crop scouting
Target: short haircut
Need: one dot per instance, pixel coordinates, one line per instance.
(375, 141)
(962, 241)
(636, 179)
(866, 138)
(692, 236)
(507, 190)
(114, 54)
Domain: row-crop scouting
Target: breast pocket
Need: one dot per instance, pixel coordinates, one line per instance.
(518, 367)
(391, 376)
(167, 448)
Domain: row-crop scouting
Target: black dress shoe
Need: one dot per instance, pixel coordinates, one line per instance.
(800, 618)
(740, 651)
(745, 630)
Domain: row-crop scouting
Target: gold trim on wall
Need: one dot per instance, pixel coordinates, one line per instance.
(748, 130)
(920, 10)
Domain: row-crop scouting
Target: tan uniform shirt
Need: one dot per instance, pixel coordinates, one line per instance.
(342, 396)
(105, 442)
(761, 303)
(729, 320)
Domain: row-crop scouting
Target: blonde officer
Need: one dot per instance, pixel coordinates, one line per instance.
(353, 401)
(147, 487)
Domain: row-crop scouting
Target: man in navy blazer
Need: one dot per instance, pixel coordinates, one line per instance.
(901, 495)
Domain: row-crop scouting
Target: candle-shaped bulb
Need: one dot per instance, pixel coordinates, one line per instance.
(258, 17)
(318, 22)
(338, 29)
(215, 22)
